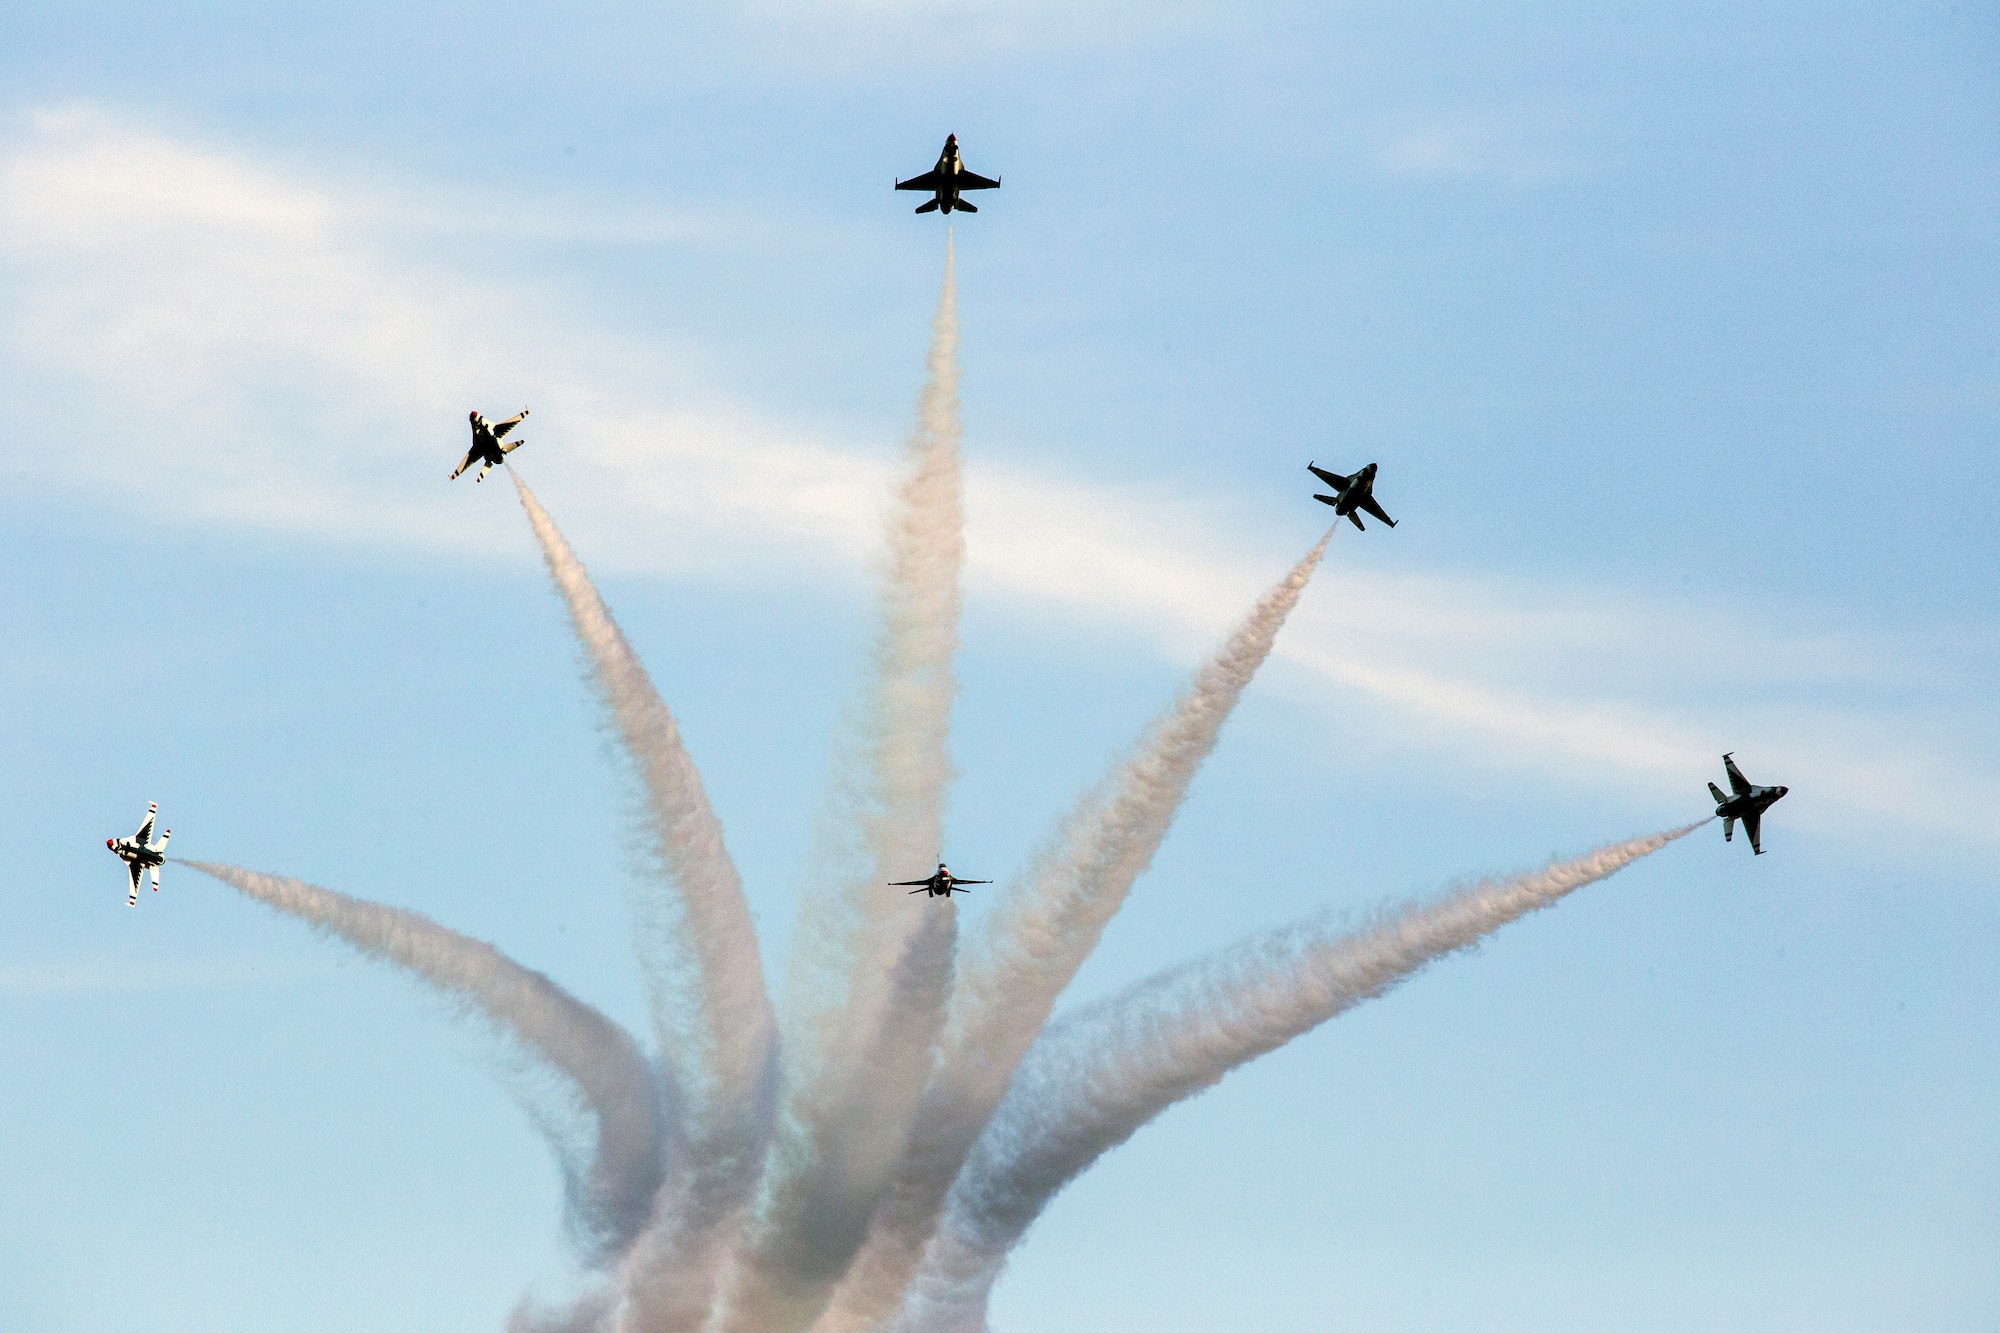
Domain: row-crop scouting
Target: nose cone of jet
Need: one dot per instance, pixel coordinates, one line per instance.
(112, 843)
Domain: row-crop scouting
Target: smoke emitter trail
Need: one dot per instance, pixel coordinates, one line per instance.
(1040, 935)
(1096, 1078)
(612, 1194)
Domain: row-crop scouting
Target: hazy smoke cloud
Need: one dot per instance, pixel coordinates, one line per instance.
(874, 967)
(610, 1193)
(1040, 935)
(1097, 1077)
(699, 950)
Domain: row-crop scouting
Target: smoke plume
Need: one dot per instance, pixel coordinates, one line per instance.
(871, 981)
(1039, 936)
(698, 947)
(1097, 1077)
(610, 1194)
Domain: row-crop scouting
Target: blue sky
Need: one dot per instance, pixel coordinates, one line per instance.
(1672, 329)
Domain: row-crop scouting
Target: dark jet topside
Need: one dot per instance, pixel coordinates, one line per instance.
(1355, 492)
(946, 179)
(486, 447)
(941, 885)
(1745, 802)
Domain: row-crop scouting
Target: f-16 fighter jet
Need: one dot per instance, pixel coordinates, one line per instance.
(1355, 492)
(140, 853)
(941, 885)
(1744, 802)
(946, 179)
(486, 447)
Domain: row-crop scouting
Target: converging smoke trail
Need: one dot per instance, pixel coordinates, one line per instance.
(611, 1196)
(869, 985)
(1094, 1079)
(1039, 936)
(698, 947)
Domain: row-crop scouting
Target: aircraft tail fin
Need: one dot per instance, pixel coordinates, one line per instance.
(511, 446)
(929, 206)
(1716, 792)
(1327, 499)
(1729, 828)
(156, 879)
(1355, 519)
(964, 207)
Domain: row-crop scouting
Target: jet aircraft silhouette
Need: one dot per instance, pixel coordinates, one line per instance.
(1745, 802)
(946, 179)
(941, 885)
(1355, 492)
(140, 853)
(486, 447)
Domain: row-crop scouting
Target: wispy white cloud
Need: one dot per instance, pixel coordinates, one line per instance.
(194, 330)
(121, 976)
(1441, 146)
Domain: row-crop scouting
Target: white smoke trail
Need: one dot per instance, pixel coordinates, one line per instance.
(610, 1195)
(1094, 1079)
(698, 947)
(1039, 936)
(869, 983)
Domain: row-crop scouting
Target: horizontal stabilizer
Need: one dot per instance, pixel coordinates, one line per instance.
(930, 207)
(963, 207)
(1729, 828)
(1716, 792)
(1327, 499)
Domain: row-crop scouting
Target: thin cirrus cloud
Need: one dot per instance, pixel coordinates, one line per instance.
(219, 301)
(84, 977)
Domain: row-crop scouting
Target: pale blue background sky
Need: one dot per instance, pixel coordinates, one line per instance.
(1672, 329)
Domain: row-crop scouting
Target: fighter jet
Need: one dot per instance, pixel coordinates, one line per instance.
(1355, 492)
(946, 179)
(140, 853)
(486, 447)
(941, 885)
(1744, 802)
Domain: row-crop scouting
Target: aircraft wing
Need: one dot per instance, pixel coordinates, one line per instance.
(138, 872)
(1333, 479)
(905, 883)
(1368, 503)
(927, 181)
(972, 180)
(145, 833)
(1737, 782)
(1750, 823)
(957, 880)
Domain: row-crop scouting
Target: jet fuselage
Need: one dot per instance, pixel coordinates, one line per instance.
(1359, 487)
(947, 170)
(1753, 802)
(134, 853)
